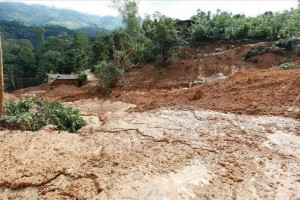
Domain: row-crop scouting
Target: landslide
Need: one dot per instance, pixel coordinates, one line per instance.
(255, 92)
(254, 87)
(174, 148)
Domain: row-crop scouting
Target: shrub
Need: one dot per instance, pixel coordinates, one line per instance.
(287, 66)
(108, 74)
(32, 114)
(82, 78)
(261, 49)
(285, 43)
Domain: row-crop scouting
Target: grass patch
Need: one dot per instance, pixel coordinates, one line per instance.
(287, 66)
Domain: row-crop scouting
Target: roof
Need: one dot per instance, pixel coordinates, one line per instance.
(62, 76)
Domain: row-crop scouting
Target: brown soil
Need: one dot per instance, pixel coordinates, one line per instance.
(269, 91)
(154, 138)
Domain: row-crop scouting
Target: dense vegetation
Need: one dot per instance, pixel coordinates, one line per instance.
(224, 25)
(33, 114)
(18, 31)
(158, 36)
(42, 15)
(27, 65)
(31, 52)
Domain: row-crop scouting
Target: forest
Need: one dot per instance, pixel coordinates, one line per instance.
(44, 15)
(30, 52)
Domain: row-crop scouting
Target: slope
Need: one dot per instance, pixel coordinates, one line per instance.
(43, 15)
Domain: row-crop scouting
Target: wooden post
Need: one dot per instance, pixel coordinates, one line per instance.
(1, 82)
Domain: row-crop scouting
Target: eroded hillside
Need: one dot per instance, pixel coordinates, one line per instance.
(235, 137)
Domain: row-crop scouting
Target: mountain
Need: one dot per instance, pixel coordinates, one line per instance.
(43, 15)
(17, 30)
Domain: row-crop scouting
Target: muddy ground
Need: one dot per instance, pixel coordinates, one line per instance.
(232, 138)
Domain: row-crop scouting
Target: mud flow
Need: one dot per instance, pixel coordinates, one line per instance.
(235, 135)
(166, 153)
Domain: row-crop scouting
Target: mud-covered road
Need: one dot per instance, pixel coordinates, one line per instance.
(166, 153)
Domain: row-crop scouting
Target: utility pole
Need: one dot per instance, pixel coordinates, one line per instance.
(1, 81)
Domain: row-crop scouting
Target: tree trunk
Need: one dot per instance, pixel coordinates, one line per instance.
(1, 82)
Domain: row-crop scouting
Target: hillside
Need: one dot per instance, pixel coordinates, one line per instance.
(233, 138)
(17, 30)
(43, 15)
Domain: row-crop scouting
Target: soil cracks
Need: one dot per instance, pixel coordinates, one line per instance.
(167, 153)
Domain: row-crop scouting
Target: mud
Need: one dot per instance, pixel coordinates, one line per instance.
(254, 92)
(165, 153)
(153, 138)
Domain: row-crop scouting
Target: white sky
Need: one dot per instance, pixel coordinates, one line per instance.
(182, 9)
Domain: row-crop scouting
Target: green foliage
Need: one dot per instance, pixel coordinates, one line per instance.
(128, 9)
(26, 66)
(261, 49)
(285, 43)
(74, 60)
(114, 53)
(109, 74)
(106, 45)
(163, 37)
(33, 114)
(224, 25)
(52, 60)
(17, 30)
(82, 78)
(287, 66)
(43, 15)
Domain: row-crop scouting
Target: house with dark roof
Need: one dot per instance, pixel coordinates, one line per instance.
(182, 26)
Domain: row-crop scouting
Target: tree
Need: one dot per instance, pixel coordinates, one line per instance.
(40, 36)
(26, 59)
(162, 33)
(80, 40)
(128, 9)
(74, 60)
(60, 43)
(52, 60)
(200, 29)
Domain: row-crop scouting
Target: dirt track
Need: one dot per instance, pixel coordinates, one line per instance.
(237, 138)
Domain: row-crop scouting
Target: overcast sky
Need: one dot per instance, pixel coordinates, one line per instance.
(182, 9)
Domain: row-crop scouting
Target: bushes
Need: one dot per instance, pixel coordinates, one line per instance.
(108, 74)
(285, 43)
(287, 66)
(32, 114)
(261, 49)
(82, 78)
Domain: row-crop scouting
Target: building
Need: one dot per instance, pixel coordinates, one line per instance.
(60, 79)
(182, 26)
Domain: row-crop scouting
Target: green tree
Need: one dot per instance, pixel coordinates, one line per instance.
(40, 36)
(80, 41)
(60, 43)
(161, 31)
(52, 60)
(200, 29)
(75, 60)
(128, 9)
